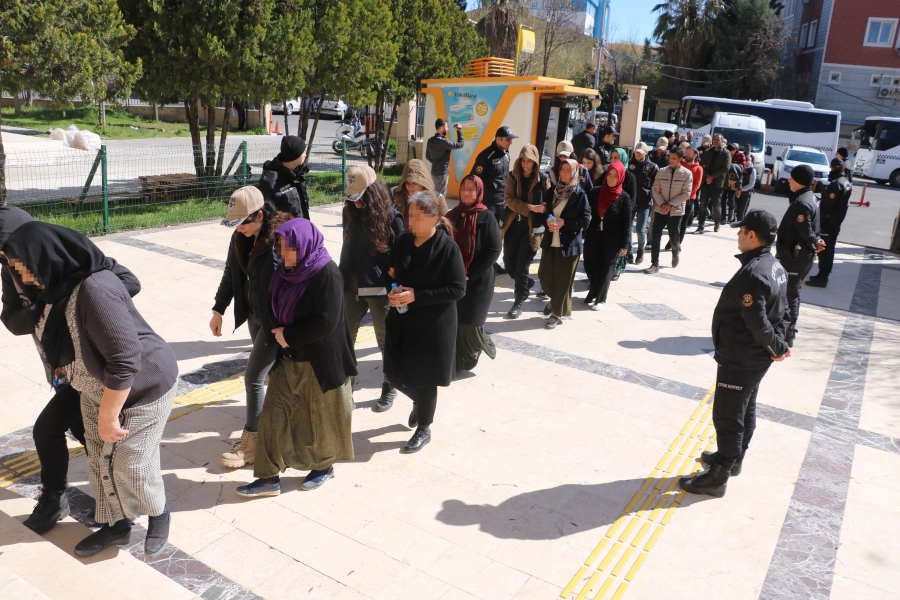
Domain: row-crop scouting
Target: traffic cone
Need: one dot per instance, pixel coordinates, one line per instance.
(277, 128)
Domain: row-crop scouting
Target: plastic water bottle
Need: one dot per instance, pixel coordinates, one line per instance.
(551, 220)
(396, 290)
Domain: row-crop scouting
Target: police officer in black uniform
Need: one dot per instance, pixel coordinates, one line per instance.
(748, 329)
(832, 210)
(283, 180)
(492, 166)
(606, 143)
(843, 154)
(797, 242)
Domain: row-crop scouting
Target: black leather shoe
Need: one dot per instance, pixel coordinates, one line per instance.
(100, 540)
(709, 458)
(630, 258)
(640, 257)
(388, 393)
(52, 506)
(547, 310)
(541, 295)
(417, 441)
(530, 283)
(817, 282)
(716, 227)
(499, 270)
(711, 482)
(413, 417)
(615, 276)
(90, 520)
(157, 534)
(515, 312)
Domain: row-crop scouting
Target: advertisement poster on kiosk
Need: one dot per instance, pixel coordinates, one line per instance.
(472, 107)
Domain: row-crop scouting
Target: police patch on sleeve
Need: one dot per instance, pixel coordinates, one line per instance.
(747, 300)
(800, 218)
(631, 167)
(479, 170)
(832, 195)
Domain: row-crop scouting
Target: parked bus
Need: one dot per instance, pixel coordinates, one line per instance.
(878, 156)
(788, 123)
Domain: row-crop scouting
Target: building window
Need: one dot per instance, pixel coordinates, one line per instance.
(803, 31)
(813, 29)
(834, 77)
(895, 81)
(875, 81)
(789, 8)
(880, 32)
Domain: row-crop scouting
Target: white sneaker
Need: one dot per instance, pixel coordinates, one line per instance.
(598, 305)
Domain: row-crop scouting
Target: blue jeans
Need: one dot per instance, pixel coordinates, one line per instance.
(642, 216)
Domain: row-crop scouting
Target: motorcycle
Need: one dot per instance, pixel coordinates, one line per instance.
(352, 136)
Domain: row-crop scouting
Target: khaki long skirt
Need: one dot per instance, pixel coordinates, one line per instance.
(300, 427)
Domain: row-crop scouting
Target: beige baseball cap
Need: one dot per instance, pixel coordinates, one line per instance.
(243, 202)
(662, 143)
(359, 178)
(641, 147)
(565, 147)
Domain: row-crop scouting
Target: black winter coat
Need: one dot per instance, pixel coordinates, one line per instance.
(371, 271)
(492, 166)
(248, 271)
(576, 216)
(616, 223)
(582, 142)
(473, 308)
(284, 188)
(320, 333)
(420, 345)
(834, 205)
(644, 174)
(750, 320)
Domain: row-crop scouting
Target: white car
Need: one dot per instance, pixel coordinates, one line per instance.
(794, 156)
(293, 105)
(333, 108)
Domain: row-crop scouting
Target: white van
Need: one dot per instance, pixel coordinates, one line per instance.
(743, 129)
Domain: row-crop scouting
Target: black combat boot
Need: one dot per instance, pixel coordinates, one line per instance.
(516, 311)
(52, 506)
(711, 482)
(709, 458)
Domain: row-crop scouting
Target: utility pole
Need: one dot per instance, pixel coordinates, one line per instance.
(604, 25)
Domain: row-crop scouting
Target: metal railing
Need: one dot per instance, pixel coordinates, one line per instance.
(120, 187)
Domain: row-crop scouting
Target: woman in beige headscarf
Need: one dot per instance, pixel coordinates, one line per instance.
(415, 178)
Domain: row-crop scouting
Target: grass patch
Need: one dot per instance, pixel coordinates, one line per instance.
(120, 124)
(135, 213)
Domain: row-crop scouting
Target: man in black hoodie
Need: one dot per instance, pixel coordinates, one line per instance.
(748, 331)
(283, 180)
(832, 209)
(798, 243)
(606, 144)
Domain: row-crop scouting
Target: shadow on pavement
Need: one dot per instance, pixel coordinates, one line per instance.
(674, 346)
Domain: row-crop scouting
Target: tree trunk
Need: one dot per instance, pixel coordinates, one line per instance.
(192, 114)
(101, 110)
(287, 126)
(156, 112)
(387, 137)
(225, 124)
(2, 166)
(30, 98)
(210, 140)
(312, 134)
(18, 104)
(305, 109)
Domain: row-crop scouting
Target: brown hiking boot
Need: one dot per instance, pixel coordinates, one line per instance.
(243, 452)
(653, 269)
(675, 260)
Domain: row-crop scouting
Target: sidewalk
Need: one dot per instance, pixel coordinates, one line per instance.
(552, 471)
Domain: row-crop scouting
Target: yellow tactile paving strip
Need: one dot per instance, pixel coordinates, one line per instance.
(28, 464)
(616, 560)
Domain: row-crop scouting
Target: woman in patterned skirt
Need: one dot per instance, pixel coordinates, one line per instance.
(96, 341)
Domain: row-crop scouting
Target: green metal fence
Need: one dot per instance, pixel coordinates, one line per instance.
(135, 186)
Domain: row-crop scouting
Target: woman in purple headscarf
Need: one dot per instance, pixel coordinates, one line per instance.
(305, 422)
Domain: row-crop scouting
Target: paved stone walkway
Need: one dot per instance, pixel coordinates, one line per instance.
(553, 468)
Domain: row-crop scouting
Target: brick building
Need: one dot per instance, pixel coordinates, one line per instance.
(843, 55)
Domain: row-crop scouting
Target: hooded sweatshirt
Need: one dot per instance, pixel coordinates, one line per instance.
(521, 192)
(415, 171)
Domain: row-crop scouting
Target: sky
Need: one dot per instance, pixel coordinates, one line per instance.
(629, 19)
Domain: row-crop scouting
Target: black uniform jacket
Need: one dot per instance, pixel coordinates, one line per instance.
(798, 228)
(285, 188)
(492, 166)
(750, 320)
(834, 205)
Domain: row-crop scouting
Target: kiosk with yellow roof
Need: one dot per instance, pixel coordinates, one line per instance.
(488, 96)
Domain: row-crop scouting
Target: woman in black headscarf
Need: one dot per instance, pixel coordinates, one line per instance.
(95, 340)
(63, 412)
